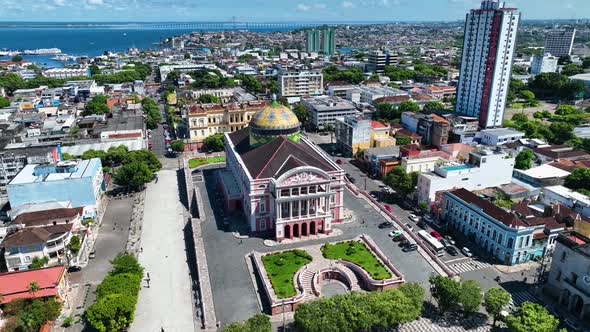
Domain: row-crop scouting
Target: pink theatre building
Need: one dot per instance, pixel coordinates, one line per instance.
(286, 186)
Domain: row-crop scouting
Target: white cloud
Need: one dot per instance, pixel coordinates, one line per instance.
(302, 7)
(59, 2)
(94, 2)
(347, 4)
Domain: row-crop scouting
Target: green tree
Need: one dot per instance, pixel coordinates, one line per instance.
(144, 156)
(126, 263)
(566, 110)
(272, 86)
(17, 58)
(256, 323)
(133, 176)
(572, 69)
(116, 155)
(91, 154)
(113, 312)
(177, 145)
(207, 99)
(31, 314)
(4, 102)
(352, 76)
(532, 317)
(579, 179)
(301, 112)
(495, 300)
(446, 291)
(434, 106)
(75, 244)
(122, 283)
(402, 141)
(250, 83)
(34, 287)
(470, 296)
(400, 181)
(94, 70)
(67, 156)
(561, 132)
(387, 111)
(214, 142)
(38, 262)
(524, 160)
(519, 117)
(97, 105)
(408, 106)
(152, 112)
(564, 60)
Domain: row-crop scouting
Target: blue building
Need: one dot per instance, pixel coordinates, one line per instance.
(511, 238)
(80, 182)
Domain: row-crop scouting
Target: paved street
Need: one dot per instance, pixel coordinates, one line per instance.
(111, 240)
(167, 302)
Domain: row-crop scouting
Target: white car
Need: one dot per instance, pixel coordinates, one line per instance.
(450, 239)
(466, 252)
(410, 228)
(414, 217)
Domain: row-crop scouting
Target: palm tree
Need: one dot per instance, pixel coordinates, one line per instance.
(34, 287)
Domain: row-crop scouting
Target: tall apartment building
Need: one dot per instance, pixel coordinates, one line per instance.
(486, 63)
(546, 63)
(300, 83)
(313, 40)
(560, 42)
(321, 41)
(324, 110)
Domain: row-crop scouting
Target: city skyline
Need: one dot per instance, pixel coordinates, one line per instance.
(266, 10)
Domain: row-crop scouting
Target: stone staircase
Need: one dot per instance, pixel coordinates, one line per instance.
(355, 284)
(306, 282)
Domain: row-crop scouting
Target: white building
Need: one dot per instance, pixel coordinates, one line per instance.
(546, 63)
(301, 83)
(369, 93)
(486, 64)
(324, 110)
(66, 72)
(572, 199)
(500, 136)
(560, 41)
(484, 169)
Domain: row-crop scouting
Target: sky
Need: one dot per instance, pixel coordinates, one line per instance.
(273, 10)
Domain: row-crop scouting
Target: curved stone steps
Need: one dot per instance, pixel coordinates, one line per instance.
(355, 284)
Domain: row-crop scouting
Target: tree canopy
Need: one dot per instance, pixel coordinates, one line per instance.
(250, 83)
(524, 160)
(4, 102)
(446, 291)
(301, 112)
(532, 317)
(207, 99)
(400, 181)
(209, 79)
(97, 105)
(434, 106)
(214, 142)
(256, 323)
(152, 112)
(133, 176)
(387, 111)
(353, 75)
(579, 180)
(495, 300)
(177, 145)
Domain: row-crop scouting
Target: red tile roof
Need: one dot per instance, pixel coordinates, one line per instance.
(15, 285)
(392, 99)
(378, 125)
(488, 208)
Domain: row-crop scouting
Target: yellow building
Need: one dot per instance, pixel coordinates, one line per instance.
(356, 133)
(582, 226)
(207, 119)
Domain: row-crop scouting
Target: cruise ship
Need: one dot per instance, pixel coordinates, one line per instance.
(41, 51)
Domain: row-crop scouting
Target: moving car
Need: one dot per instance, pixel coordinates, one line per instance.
(74, 268)
(410, 228)
(92, 254)
(450, 239)
(387, 207)
(414, 217)
(339, 161)
(395, 234)
(385, 224)
(466, 252)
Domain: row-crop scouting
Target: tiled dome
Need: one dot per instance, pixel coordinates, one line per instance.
(274, 117)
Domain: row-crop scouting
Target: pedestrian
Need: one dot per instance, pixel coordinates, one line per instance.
(141, 249)
(148, 275)
(161, 329)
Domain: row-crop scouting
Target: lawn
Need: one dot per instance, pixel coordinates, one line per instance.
(357, 253)
(196, 162)
(281, 268)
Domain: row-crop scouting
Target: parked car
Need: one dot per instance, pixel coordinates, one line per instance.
(395, 234)
(385, 224)
(436, 235)
(74, 268)
(339, 161)
(450, 239)
(414, 217)
(387, 207)
(352, 180)
(427, 218)
(421, 224)
(410, 228)
(452, 251)
(403, 243)
(92, 254)
(399, 238)
(410, 247)
(466, 252)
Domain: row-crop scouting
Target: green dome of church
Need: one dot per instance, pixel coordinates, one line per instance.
(273, 121)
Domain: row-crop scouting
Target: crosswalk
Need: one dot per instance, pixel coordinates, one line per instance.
(521, 297)
(469, 265)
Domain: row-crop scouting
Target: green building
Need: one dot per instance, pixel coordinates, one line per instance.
(321, 41)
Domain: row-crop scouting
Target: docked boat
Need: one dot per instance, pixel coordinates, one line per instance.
(42, 51)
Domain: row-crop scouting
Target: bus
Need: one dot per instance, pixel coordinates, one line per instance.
(434, 245)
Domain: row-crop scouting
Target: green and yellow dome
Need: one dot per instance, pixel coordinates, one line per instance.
(273, 121)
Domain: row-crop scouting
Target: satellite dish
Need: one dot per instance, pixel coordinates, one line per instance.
(586, 280)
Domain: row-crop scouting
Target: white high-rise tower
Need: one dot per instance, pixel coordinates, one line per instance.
(486, 63)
